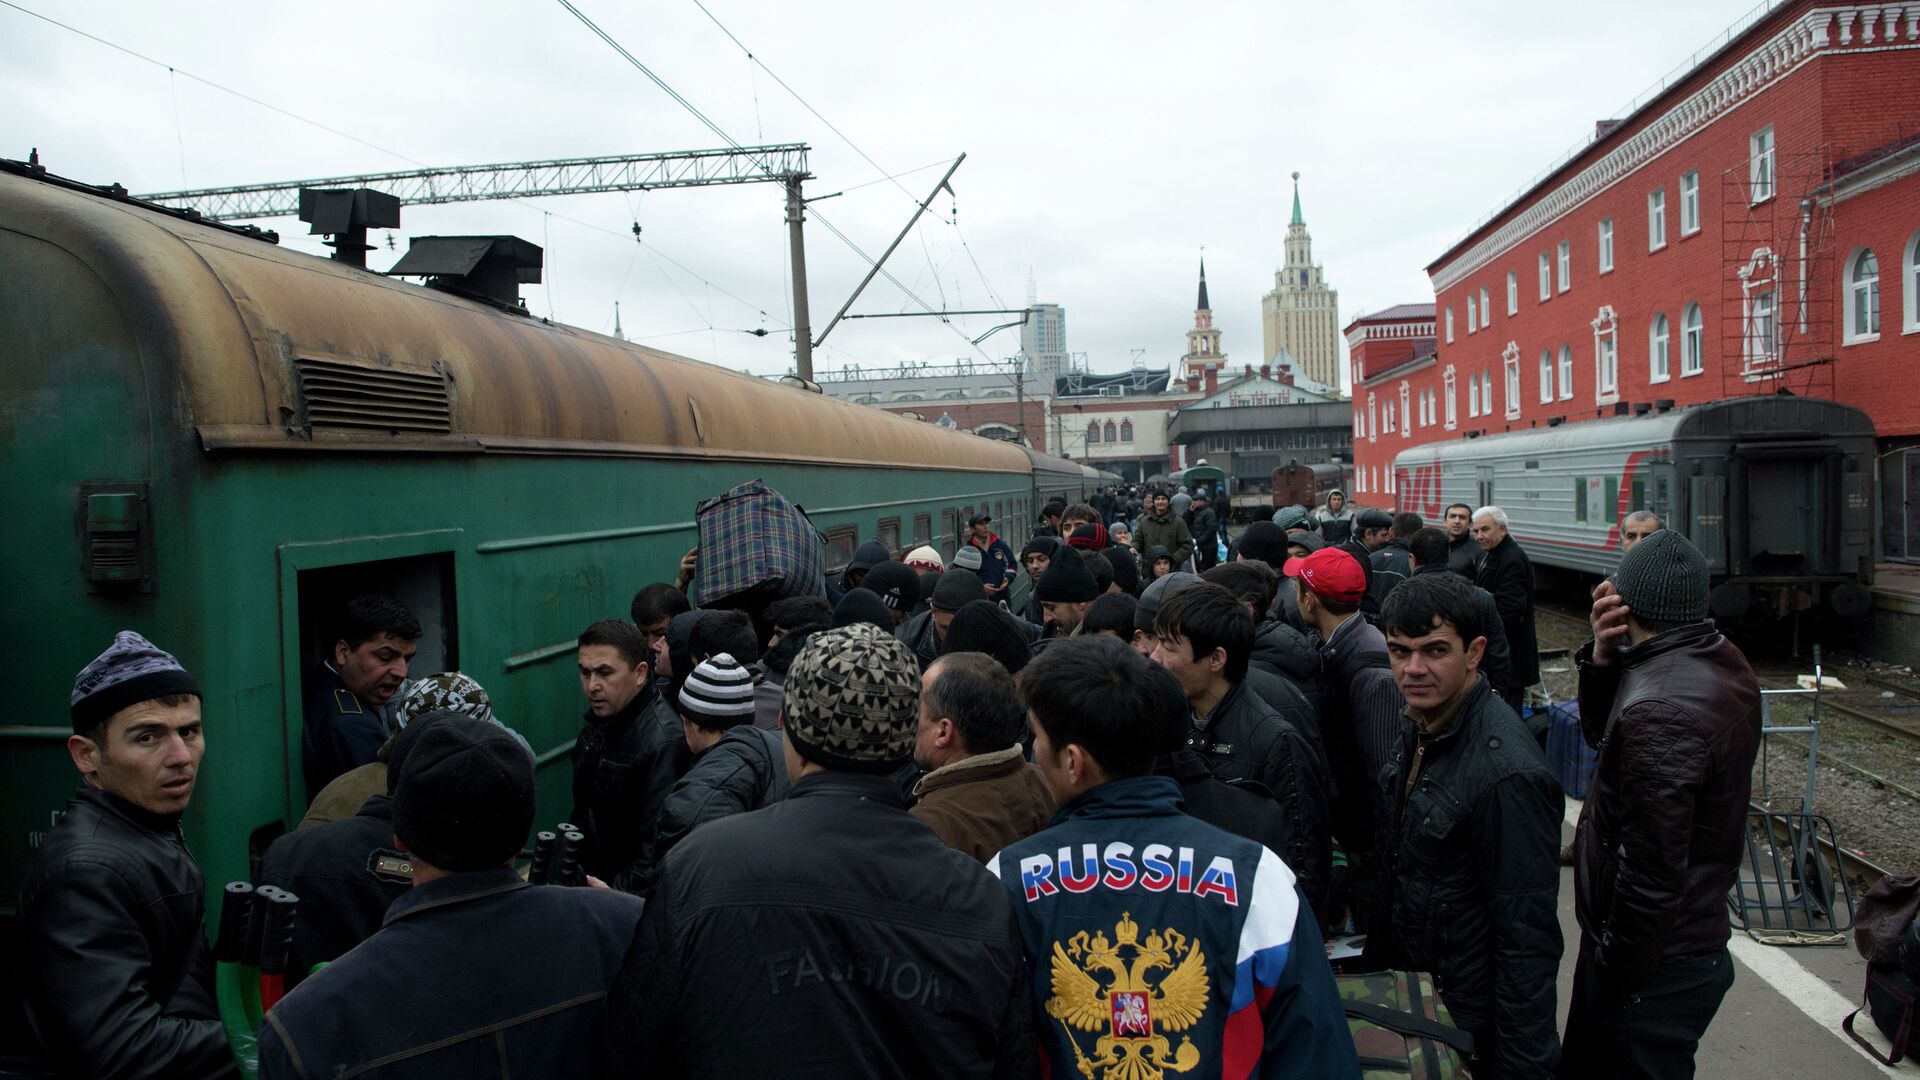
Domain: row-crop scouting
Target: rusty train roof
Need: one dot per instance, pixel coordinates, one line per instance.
(256, 334)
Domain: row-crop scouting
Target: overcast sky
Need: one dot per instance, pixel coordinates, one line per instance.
(1106, 143)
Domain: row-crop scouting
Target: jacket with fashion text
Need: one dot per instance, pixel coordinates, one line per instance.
(1676, 721)
(1156, 942)
(851, 940)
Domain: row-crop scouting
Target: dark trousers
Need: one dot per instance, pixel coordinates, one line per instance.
(1653, 1033)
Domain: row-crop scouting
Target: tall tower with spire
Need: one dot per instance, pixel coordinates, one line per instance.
(1203, 341)
(1301, 316)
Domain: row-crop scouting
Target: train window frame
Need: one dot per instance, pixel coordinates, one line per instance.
(922, 530)
(1637, 493)
(1579, 500)
(949, 540)
(1610, 499)
(889, 525)
(844, 535)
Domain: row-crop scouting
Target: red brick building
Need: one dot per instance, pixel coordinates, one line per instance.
(1753, 227)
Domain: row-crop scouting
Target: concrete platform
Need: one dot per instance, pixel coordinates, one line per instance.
(1893, 628)
(1782, 1017)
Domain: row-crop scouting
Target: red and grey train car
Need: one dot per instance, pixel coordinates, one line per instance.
(1776, 491)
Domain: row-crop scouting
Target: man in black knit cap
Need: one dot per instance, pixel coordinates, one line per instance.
(419, 998)
(1674, 708)
(1065, 590)
(925, 632)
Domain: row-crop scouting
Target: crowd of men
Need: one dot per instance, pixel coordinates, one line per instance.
(1050, 812)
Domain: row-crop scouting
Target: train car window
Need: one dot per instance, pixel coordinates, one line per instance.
(1612, 499)
(949, 532)
(1637, 493)
(889, 534)
(1580, 498)
(841, 540)
(922, 530)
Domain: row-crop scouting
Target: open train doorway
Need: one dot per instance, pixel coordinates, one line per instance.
(424, 583)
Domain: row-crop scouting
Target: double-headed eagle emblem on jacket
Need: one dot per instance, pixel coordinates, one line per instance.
(1137, 990)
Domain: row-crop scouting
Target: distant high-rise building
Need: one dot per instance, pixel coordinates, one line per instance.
(1043, 341)
(1203, 341)
(1302, 314)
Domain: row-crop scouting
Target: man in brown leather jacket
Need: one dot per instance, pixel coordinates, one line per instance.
(980, 793)
(1674, 710)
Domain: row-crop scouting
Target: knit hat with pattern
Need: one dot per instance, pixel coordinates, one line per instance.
(925, 558)
(131, 671)
(852, 699)
(1664, 578)
(718, 694)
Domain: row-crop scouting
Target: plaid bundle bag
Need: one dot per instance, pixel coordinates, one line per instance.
(751, 537)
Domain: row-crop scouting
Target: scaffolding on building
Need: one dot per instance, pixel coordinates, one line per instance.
(1779, 298)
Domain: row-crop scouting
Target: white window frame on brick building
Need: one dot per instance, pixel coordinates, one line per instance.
(1693, 341)
(1473, 396)
(1486, 392)
(1473, 322)
(1546, 276)
(1659, 349)
(1566, 265)
(1605, 246)
(1449, 326)
(1406, 411)
(1863, 297)
(1759, 313)
(1760, 162)
(1373, 421)
(1566, 372)
(1453, 409)
(1486, 310)
(1910, 285)
(1546, 376)
(1606, 356)
(1690, 203)
(1510, 361)
(1657, 219)
(1513, 292)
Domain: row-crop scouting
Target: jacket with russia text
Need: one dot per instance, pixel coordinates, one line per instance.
(117, 975)
(1470, 846)
(1155, 941)
(841, 930)
(1677, 722)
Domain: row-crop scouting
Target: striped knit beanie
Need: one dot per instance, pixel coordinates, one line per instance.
(718, 694)
(131, 671)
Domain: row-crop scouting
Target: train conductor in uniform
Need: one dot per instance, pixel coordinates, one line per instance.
(349, 712)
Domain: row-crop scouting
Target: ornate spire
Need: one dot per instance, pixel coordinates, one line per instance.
(1297, 219)
(1203, 305)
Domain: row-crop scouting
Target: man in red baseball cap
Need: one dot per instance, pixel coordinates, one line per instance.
(1361, 710)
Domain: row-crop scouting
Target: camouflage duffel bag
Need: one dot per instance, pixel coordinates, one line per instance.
(1400, 1028)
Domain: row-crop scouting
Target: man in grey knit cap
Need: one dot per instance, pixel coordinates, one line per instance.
(1660, 838)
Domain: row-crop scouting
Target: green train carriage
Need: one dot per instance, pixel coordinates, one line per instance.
(216, 441)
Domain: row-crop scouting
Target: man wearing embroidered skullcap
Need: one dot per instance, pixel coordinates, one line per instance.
(860, 944)
(1662, 833)
(116, 977)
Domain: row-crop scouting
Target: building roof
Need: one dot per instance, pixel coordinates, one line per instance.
(1136, 382)
(1398, 313)
(1297, 219)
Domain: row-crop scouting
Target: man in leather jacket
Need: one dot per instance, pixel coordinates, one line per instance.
(629, 753)
(843, 932)
(117, 977)
(1204, 637)
(1674, 710)
(1472, 834)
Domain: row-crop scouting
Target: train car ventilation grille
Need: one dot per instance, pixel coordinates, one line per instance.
(354, 397)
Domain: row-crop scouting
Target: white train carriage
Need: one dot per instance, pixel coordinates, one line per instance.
(1776, 491)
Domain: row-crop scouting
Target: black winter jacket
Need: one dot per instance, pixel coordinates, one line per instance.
(919, 635)
(1391, 565)
(1497, 664)
(117, 976)
(1241, 809)
(1362, 720)
(841, 930)
(1370, 602)
(1508, 575)
(1677, 724)
(1463, 556)
(1471, 845)
(623, 767)
(346, 874)
(745, 770)
(1284, 651)
(1244, 740)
